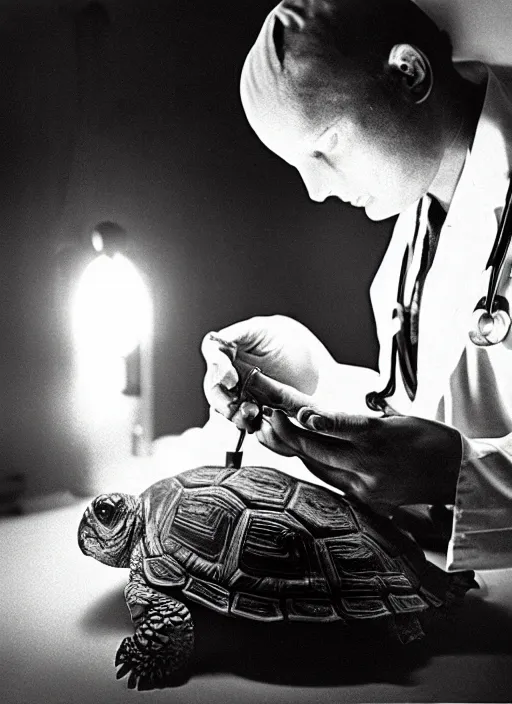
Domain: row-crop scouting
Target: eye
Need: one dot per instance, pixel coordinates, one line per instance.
(332, 143)
(327, 144)
(105, 510)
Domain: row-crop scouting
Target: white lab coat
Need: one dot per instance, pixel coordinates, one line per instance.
(465, 386)
(460, 384)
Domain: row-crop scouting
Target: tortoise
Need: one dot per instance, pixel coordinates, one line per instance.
(256, 543)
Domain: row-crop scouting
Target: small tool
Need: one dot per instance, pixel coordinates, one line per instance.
(234, 459)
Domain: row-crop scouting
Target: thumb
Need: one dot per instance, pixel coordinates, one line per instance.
(334, 423)
(320, 421)
(270, 392)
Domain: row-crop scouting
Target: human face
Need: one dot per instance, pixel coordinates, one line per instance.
(375, 157)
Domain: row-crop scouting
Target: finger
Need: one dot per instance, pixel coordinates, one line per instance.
(219, 362)
(247, 417)
(270, 392)
(219, 398)
(336, 424)
(227, 404)
(279, 433)
(331, 461)
(270, 438)
(241, 423)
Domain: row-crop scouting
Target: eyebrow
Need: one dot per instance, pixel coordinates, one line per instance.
(333, 141)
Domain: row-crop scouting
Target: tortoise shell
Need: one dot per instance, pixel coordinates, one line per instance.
(257, 543)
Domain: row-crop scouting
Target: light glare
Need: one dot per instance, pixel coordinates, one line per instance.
(112, 309)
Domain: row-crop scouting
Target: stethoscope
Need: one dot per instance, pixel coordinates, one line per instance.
(491, 318)
(491, 321)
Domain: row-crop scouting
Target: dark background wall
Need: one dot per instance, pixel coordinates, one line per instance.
(132, 114)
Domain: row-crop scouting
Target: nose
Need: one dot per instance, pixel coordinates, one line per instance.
(316, 180)
(81, 539)
(84, 535)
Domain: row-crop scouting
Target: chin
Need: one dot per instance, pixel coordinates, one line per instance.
(378, 211)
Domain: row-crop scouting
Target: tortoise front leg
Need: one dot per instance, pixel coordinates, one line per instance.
(157, 654)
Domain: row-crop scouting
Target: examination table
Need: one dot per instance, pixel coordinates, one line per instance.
(63, 616)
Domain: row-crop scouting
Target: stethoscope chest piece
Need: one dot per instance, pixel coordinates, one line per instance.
(490, 328)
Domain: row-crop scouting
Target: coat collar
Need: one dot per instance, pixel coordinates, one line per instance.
(457, 278)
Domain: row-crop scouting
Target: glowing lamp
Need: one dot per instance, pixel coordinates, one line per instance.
(112, 329)
(111, 307)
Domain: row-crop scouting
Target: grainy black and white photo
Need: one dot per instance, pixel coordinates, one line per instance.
(256, 351)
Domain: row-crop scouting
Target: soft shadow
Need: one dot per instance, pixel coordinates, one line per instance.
(299, 654)
(480, 627)
(108, 615)
(316, 655)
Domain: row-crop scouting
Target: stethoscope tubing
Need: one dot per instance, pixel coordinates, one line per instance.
(491, 315)
(499, 251)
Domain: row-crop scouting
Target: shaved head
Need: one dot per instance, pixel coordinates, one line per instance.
(330, 30)
(315, 58)
(362, 98)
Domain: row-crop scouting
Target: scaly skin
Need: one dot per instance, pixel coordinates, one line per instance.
(157, 654)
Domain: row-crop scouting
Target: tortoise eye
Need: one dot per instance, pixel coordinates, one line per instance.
(105, 511)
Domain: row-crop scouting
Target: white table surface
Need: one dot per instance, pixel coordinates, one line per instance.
(62, 616)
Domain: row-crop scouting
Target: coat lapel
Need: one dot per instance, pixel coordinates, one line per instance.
(457, 279)
(454, 284)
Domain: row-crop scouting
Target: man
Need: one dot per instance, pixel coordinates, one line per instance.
(361, 96)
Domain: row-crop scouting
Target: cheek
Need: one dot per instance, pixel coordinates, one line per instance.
(397, 182)
(401, 162)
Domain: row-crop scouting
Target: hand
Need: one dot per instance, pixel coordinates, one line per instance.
(281, 347)
(384, 462)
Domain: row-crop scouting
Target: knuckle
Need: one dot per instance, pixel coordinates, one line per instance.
(305, 414)
(209, 344)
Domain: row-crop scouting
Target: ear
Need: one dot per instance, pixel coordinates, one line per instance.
(294, 14)
(415, 69)
(291, 15)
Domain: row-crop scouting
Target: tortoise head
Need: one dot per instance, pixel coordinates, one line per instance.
(110, 528)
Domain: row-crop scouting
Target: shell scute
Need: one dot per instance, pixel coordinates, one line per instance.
(407, 603)
(274, 546)
(352, 555)
(360, 607)
(369, 584)
(258, 608)
(201, 477)
(213, 595)
(261, 487)
(203, 521)
(321, 512)
(158, 505)
(389, 538)
(164, 571)
(397, 583)
(311, 610)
